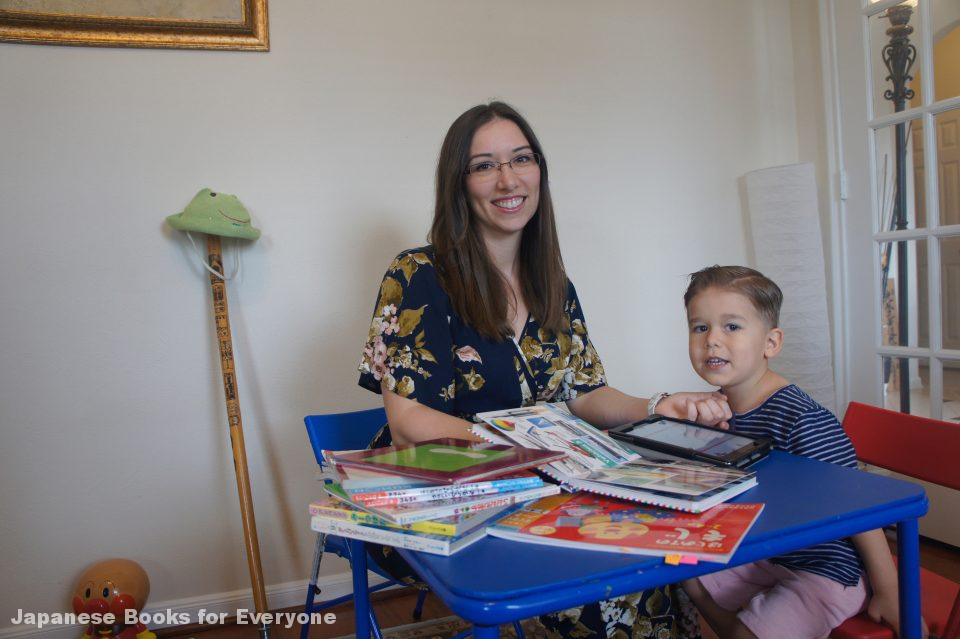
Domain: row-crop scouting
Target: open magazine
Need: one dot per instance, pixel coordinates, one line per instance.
(598, 464)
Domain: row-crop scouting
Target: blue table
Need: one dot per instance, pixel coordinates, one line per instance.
(496, 581)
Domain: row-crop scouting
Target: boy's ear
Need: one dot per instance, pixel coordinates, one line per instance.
(774, 343)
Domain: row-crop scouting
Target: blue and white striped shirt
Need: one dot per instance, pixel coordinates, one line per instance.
(799, 425)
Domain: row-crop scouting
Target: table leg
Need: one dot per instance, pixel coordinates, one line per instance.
(908, 571)
(486, 632)
(361, 600)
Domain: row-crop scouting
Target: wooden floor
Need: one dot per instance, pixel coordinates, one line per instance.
(395, 608)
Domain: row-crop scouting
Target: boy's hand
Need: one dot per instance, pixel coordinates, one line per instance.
(709, 409)
(885, 609)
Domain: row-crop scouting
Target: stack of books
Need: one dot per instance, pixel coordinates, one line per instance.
(442, 495)
(436, 496)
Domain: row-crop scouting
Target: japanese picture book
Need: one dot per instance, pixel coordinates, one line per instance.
(596, 522)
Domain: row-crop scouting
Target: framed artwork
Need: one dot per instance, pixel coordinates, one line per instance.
(198, 24)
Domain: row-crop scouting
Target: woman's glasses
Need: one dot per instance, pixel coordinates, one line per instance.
(521, 165)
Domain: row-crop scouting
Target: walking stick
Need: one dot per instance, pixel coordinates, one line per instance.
(219, 214)
(221, 317)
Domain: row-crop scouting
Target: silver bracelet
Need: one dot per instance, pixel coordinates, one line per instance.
(656, 399)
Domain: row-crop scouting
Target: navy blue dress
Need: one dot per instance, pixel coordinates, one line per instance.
(426, 352)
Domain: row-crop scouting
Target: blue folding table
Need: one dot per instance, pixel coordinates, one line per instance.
(807, 502)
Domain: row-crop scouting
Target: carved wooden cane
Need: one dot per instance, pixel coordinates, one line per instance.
(225, 340)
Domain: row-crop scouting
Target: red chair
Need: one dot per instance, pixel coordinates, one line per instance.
(925, 449)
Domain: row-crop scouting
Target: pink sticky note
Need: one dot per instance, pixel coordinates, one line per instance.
(689, 560)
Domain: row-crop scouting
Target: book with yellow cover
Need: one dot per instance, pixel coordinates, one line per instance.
(452, 526)
(398, 537)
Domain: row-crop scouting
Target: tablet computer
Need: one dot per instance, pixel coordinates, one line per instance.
(690, 440)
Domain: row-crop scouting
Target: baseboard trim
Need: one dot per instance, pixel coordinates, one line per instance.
(223, 605)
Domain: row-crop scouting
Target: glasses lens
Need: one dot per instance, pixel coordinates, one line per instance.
(525, 162)
(487, 167)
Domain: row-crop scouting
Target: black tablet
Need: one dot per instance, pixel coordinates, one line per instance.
(693, 441)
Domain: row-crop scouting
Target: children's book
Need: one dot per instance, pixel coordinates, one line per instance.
(447, 460)
(503, 484)
(422, 511)
(357, 480)
(596, 463)
(399, 537)
(453, 526)
(596, 522)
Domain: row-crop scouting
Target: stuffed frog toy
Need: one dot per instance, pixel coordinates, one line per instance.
(215, 214)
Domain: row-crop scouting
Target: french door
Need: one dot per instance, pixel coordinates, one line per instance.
(892, 88)
(896, 102)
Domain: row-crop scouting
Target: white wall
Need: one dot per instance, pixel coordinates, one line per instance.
(114, 438)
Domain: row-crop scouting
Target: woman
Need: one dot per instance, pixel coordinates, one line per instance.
(484, 318)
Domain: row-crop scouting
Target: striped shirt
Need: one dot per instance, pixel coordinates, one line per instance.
(799, 425)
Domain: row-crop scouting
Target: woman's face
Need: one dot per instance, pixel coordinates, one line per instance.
(503, 200)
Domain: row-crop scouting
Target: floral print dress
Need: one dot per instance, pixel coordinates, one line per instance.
(419, 348)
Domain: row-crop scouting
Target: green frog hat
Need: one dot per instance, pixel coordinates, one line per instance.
(215, 214)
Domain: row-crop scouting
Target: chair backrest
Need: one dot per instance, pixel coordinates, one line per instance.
(919, 447)
(343, 431)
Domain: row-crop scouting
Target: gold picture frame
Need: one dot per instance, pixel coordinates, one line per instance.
(199, 24)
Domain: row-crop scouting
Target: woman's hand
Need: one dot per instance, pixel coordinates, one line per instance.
(710, 409)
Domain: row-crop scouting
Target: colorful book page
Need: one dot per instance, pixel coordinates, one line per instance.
(586, 520)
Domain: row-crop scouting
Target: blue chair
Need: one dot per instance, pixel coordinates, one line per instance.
(344, 431)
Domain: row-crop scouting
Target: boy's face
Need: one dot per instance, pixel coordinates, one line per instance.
(729, 341)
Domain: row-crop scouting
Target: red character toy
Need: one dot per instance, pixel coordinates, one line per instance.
(113, 587)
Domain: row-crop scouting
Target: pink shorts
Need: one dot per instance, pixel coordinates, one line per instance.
(778, 602)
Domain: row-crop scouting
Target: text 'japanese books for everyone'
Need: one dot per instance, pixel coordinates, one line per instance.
(446, 460)
(596, 522)
(596, 463)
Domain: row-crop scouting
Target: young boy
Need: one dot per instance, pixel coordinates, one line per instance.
(733, 314)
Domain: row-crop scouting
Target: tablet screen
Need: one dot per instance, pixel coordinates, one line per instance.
(704, 440)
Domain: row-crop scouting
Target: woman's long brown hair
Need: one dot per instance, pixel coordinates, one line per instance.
(475, 286)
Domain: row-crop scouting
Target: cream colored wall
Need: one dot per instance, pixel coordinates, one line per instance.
(114, 438)
(946, 76)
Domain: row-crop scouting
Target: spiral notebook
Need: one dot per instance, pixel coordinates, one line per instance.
(598, 464)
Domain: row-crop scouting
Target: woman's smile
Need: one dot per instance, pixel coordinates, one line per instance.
(510, 204)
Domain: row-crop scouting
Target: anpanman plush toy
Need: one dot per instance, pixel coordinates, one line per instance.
(113, 587)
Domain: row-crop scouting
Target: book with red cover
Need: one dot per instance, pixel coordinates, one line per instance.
(585, 520)
(446, 460)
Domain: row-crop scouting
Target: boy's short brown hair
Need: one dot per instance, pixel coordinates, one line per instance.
(762, 292)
